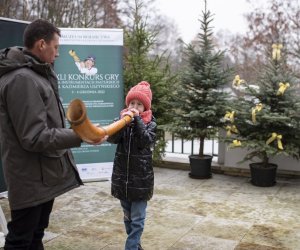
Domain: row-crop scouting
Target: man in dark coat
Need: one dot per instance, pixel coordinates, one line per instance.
(37, 162)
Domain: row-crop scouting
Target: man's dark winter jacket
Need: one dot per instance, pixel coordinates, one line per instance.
(37, 164)
(133, 177)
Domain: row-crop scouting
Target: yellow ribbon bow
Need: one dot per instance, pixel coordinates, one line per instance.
(231, 129)
(276, 52)
(282, 88)
(237, 81)
(236, 143)
(229, 116)
(273, 138)
(257, 108)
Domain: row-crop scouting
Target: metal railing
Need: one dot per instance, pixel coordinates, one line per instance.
(179, 145)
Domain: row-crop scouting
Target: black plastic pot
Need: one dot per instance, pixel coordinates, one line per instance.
(200, 166)
(263, 176)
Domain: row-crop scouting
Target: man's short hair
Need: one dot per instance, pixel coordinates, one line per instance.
(39, 29)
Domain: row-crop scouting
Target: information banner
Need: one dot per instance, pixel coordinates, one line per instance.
(89, 67)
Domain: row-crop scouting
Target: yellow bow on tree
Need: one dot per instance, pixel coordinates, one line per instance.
(229, 116)
(273, 138)
(282, 88)
(236, 143)
(276, 52)
(257, 108)
(237, 81)
(231, 129)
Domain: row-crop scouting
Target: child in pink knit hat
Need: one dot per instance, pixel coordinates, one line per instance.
(133, 177)
(139, 100)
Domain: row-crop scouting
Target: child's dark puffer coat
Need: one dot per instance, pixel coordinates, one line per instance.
(133, 177)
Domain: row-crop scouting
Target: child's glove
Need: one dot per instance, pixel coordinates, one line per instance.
(135, 112)
(129, 113)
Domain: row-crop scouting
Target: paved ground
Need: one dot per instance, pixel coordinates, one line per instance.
(221, 213)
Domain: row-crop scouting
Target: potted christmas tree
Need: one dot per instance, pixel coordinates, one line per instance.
(200, 99)
(267, 121)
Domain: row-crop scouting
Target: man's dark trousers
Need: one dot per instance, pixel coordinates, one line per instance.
(27, 226)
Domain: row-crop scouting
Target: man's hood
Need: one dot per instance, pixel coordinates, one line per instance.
(11, 59)
(17, 57)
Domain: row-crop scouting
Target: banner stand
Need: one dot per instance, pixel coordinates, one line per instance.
(90, 68)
